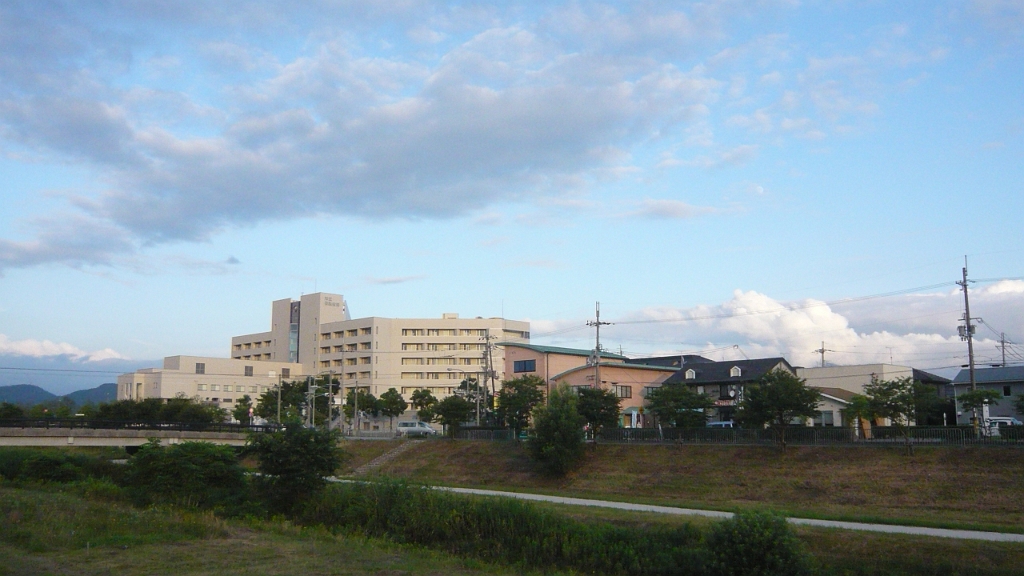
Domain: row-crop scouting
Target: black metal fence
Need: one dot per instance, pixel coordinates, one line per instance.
(85, 423)
(819, 436)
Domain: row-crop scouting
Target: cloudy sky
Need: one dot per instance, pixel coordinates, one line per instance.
(735, 177)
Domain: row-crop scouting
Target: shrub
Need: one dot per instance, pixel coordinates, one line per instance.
(293, 464)
(756, 544)
(505, 530)
(557, 441)
(190, 474)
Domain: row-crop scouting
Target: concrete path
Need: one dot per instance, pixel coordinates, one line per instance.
(887, 528)
(386, 457)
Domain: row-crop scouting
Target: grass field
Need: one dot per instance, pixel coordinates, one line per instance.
(46, 532)
(977, 488)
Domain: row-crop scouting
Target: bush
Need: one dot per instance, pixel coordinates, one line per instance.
(756, 544)
(293, 464)
(505, 531)
(53, 465)
(190, 474)
(558, 442)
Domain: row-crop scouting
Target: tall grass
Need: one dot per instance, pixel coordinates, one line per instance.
(507, 531)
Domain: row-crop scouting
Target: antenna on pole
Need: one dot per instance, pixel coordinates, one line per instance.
(597, 348)
(822, 351)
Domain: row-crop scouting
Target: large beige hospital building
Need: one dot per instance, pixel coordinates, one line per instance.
(379, 353)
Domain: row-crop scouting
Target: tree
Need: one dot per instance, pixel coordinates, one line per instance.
(978, 399)
(8, 410)
(1018, 403)
(599, 408)
(680, 406)
(423, 401)
(857, 411)
(452, 412)
(190, 474)
(392, 404)
(895, 400)
(368, 403)
(517, 399)
(471, 390)
(776, 400)
(928, 406)
(558, 438)
(241, 410)
(293, 398)
(293, 464)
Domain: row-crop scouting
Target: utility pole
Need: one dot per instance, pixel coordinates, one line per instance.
(1002, 344)
(490, 359)
(597, 348)
(967, 333)
(822, 351)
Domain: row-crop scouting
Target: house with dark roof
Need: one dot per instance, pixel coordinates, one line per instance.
(1008, 381)
(726, 380)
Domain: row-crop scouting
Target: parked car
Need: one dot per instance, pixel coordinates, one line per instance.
(724, 424)
(415, 429)
(1003, 421)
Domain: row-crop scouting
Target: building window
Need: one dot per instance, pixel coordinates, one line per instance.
(351, 333)
(364, 360)
(248, 370)
(412, 361)
(364, 346)
(200, 368)
(412, 346)
(1006, 391)
(576, 389)
(365, 331)
(412, 375)
(623, 391)
(201, 387)
(215, 387)
(325, 363)
(524, 366)
(648, 390)
(412, 332)
(691, 374)
(735, 372)
(286, 372)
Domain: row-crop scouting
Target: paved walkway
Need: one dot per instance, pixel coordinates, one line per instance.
(887, 528)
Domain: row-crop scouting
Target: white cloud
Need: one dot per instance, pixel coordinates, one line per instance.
(668, 210)
(43, 348)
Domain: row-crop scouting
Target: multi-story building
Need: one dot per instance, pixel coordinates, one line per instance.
(377, 353)
(215, 380)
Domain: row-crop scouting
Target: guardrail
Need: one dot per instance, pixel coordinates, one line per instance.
(85, 423)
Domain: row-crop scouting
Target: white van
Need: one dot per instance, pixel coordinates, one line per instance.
(725, 424)
(415, 429)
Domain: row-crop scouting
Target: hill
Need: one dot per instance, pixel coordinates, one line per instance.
(30, 395)
(25, 394)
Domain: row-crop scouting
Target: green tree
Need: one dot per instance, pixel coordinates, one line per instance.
(1018, 403)
(423, 401)
(976, 400)
(599, 408)
(756, 544)
(8, 410)
(293, 398)
(452, 412)
(392, 404)
(776, 400)
(895, 400)
(241, 410)
(368, 403)
(293, 463)
(680, 406)
(858, 410)
(517, 399)
(558, 439)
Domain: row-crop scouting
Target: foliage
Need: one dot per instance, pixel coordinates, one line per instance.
(599, 408)
(294, 399)
(895, 400)
(392, 404)
(517, 399)
(452, 412)
(506, 531)
(8, 410)
(53, 465)
(293, 464)
(756, 544)
(858, 410)
(1018, 403)
(178, 409)
(423, 401)
(776, 400)
(472, 391)
(680, 406)
(190, 474)
(241, 410)
(928, 406)
(368, 403)
(557, 441)
(977, 399)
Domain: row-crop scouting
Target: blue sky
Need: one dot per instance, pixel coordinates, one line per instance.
(716, 173)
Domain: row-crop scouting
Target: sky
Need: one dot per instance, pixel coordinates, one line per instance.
(725, 177)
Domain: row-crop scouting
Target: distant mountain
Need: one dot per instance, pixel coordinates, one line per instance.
(30, 395)
(102, 393)
(25, 394)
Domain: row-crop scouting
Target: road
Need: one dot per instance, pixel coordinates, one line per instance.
(887, 528)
